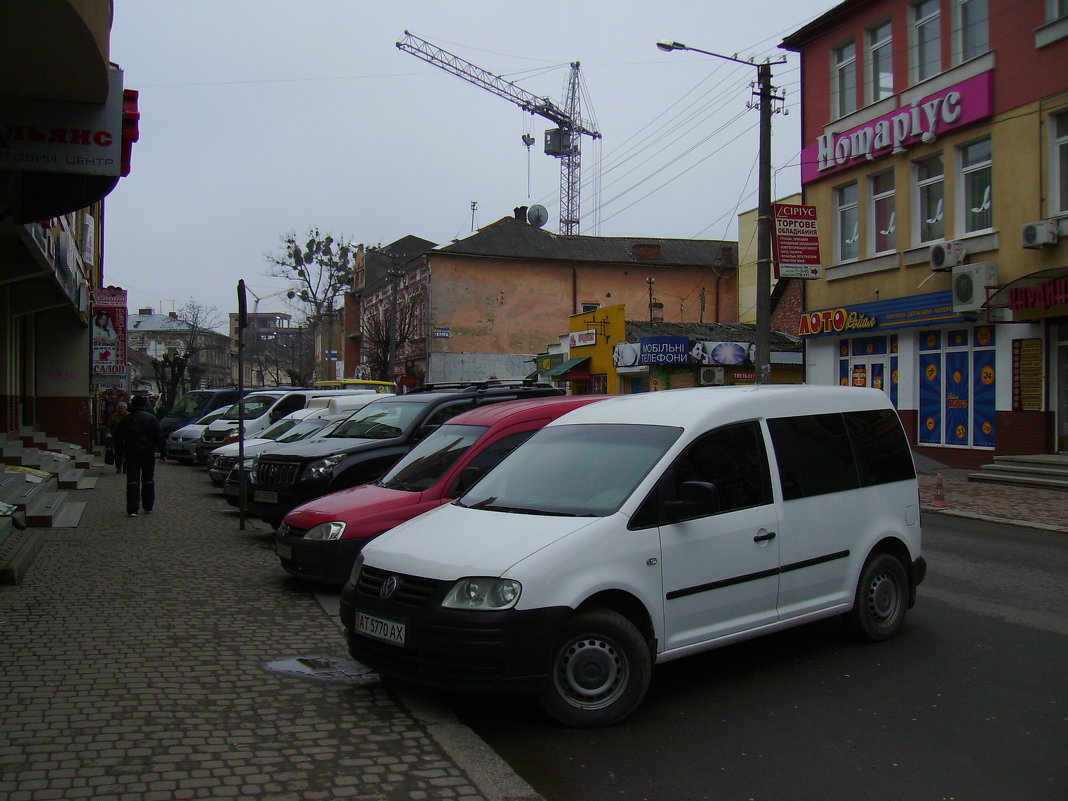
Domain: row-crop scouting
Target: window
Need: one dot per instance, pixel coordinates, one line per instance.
(817, 439)
(929, 200)
(880, 67)
(844, 79)
(1056, 9)
(972, 36)
(1059, 179)
(926, 40)
(884, 218)
(848, 220)
(975, 182)
(588, 307)
(883, 454)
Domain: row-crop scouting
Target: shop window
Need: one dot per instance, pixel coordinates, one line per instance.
(1059, 163)
(926, 50)
(844, 79)
(884, 217)
(599, 384)
(975, 181)
(971, 35)
(847, 220)
(880, 63)
(929, 200)
(957, 388)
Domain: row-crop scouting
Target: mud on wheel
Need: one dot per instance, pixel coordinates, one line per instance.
(600, 671)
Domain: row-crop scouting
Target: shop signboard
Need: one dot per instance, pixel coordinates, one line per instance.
(796, 241)
(109, 332)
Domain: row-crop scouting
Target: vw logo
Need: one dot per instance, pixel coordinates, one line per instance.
(389, 586)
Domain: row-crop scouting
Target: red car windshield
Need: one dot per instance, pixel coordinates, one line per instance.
(431, 458)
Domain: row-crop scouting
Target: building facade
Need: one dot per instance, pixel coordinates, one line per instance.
(157, 335)
(935, 148)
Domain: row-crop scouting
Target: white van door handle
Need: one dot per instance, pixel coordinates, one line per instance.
(764, 536)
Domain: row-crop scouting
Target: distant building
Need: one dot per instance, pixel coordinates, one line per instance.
(159, 334)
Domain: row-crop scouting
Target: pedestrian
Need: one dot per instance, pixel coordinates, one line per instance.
(139, 436)
(113, 423)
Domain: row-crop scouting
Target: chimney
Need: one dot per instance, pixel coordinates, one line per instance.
(144, 311)
(521, 213)
(646, 251)
(173, 315)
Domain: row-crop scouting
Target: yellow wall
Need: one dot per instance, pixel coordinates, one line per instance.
(747, 260)
(610, 324)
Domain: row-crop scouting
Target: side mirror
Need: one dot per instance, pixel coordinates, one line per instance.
(696, 499)
(468, 478)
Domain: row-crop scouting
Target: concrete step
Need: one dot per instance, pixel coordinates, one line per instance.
(69, 478)
(43, 510)
(1019, 480)
(17, 552)
(69, 514)
(22, 493)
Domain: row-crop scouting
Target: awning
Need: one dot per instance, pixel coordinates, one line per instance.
(1033, 280)
(567, 366)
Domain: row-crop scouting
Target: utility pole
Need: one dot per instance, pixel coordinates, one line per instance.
(394, 274)
(762, 338)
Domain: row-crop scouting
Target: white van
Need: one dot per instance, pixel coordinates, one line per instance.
(266, 406)
(642, 529)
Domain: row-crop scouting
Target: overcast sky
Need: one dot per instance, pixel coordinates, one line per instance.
(260, 117)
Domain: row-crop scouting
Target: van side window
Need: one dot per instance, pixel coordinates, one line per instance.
(287, 405)
(733, 458)
(814, 455)
(883, 454)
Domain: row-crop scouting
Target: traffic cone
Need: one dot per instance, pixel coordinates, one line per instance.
(939, 500)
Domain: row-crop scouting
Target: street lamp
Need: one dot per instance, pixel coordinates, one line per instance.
(762, 361)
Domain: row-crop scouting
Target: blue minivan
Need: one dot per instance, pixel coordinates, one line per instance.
(195, 404)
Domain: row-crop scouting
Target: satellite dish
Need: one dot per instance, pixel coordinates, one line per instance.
(537, 216)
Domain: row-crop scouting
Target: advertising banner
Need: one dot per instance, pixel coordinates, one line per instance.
(797, 242)
(109, 332)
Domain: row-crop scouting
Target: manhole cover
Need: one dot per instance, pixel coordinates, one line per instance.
(325, 668)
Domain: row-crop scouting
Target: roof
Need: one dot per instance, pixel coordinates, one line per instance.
(712, 332)
(508, 411)
(564, 367)
(702, 407)
(154, 322)
(796, 40)
(378, 261)
(516, 239)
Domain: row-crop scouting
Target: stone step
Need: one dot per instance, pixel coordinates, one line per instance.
(1019, 480)
(69, 478)
(69, 514)
(17, 552)
(22, 491)
(44, 508)
(1026, 469)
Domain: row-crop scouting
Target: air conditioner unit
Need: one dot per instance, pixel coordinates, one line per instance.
(947, 254)
(711, 376)
(1039, 234)
(970, 282)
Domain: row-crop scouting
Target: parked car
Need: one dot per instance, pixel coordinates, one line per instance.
(193, 405)
(182, 442)
(293, 427)
(263, 408)
(367, 444)
(642, 529)
(319, 540)
(327, 408)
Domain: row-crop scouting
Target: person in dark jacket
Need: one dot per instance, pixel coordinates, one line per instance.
(139, 436)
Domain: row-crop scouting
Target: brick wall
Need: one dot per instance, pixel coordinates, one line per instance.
(786, 316)
(65, 419)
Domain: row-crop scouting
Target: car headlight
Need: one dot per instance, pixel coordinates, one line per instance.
(326, 531)
(485, 593)
(354, 576)
(322, 467)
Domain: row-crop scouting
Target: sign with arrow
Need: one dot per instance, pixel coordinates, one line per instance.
(797, 242)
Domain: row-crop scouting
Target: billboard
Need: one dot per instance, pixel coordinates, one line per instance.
(109, 332)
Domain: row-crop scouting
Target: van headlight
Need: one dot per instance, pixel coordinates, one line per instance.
(354, 576)
(322, 467)
(326, 531)
(485, 593)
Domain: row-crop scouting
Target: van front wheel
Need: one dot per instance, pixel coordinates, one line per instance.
(601, 669)
(881, 601)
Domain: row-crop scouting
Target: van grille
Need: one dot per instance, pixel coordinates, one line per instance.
(276, 473)
(412, 591)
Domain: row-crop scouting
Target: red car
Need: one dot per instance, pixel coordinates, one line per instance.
(319, 540)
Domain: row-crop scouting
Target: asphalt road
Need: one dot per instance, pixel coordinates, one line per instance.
(969, 703)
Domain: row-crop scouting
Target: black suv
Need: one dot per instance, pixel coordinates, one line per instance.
(367, 444)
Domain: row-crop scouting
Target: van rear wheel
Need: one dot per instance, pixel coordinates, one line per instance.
(881, 600)
(601, 669)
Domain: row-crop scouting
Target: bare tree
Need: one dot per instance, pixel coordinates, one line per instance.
(379, 330)
(320, 268)
(283, 356)
(193, 324)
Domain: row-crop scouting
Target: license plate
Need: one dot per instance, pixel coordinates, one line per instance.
(284, 551)
(380, 629)
(265, 496)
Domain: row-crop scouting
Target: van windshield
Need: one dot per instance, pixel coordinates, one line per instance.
(255, 406)
(431, 458)
(577, 470)
(381, 419)
(191, 404)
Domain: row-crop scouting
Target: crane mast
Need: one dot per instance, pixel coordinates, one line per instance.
(563, 142)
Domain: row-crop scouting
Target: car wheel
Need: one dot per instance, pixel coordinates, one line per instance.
(601, 669)
(881, 600)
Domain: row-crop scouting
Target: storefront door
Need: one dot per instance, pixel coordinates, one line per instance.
(1060, 386)
(870, 372)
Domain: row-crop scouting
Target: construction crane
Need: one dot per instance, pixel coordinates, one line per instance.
(256, 305)
(563, 142)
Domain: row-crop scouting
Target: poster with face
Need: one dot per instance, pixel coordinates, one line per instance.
(108, 331)
(723, 353)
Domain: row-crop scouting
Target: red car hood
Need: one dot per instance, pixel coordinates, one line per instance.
(358, 506)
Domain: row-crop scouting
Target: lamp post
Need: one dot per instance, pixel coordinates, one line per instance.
(762, 361)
